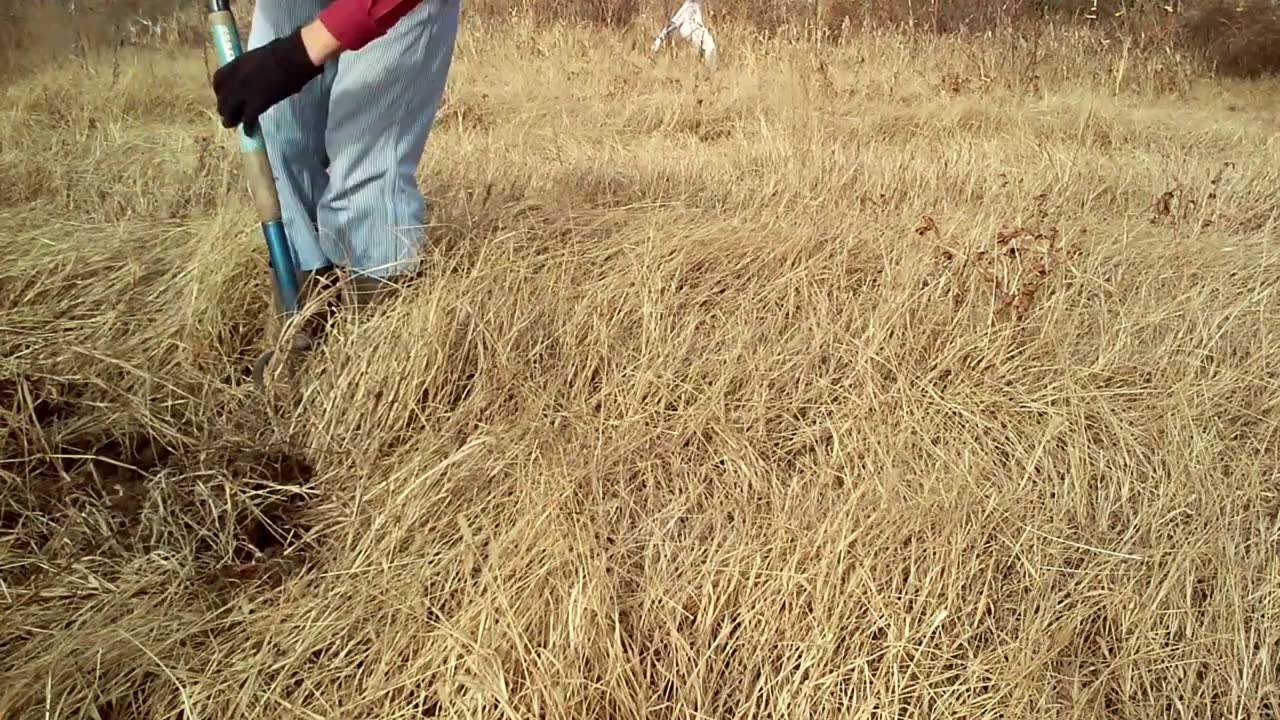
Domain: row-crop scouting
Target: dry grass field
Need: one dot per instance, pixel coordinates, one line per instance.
(904, 376)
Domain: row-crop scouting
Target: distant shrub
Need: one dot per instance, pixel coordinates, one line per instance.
(1240, 38)
(608, 13)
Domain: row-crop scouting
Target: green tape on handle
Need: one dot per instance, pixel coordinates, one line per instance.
(226, 43)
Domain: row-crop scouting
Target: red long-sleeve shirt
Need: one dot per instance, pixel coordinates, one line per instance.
(355, 23)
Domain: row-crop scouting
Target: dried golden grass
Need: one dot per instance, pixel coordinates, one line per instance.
(929, 377)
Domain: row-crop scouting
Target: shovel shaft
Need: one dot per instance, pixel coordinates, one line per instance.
(257, 168)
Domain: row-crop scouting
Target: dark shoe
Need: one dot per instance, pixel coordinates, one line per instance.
(364, 292)
(310, 284)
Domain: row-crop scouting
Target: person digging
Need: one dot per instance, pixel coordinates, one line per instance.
(344, 93)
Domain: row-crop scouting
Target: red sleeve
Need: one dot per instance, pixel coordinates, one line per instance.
(355, 23)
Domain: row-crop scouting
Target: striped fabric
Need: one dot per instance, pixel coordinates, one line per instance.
(344, 151)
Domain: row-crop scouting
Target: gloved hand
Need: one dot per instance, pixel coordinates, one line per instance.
(258, 79)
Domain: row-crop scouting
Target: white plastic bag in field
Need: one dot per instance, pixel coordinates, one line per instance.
(688, 22)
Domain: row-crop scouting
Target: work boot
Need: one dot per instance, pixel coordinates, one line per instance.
(310, 284)
(364, 292)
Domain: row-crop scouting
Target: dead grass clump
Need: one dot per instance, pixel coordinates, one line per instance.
(1240, 38)
(690, 415)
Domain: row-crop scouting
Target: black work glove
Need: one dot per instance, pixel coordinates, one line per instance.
(249, 85)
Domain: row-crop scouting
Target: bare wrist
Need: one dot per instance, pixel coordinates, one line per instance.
(321, 45)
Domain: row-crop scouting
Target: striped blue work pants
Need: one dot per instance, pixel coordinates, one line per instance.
(345, 149)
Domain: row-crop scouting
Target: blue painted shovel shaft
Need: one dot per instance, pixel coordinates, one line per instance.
(226, 43)
(283, 272)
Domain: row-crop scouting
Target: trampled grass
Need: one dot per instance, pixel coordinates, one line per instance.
(910, 377)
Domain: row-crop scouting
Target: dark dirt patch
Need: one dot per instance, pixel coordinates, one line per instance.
(279, 478)
(118, 476)
(48, 493)
(70, 490)
(27, 399)
(271, 526)
(120, 468)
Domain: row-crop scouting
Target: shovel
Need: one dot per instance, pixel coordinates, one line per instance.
(262, 186)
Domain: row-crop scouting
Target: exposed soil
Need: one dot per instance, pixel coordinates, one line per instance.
(124, 481)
